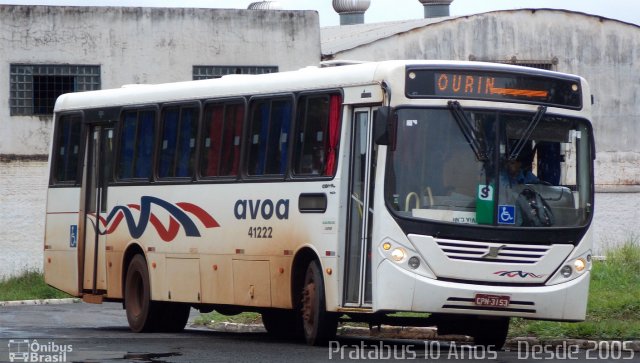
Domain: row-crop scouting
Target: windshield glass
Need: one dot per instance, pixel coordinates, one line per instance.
(508, 169)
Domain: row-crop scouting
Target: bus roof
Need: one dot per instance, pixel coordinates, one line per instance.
(309, 78)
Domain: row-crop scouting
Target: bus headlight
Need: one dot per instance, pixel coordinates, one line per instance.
(572, 268)
(414, 262)
(566, 271)
(398, 254)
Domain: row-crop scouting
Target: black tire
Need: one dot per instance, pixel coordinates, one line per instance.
(491, 333)
(284, 324)
(173, 317)
(142, 313)
(319, 326)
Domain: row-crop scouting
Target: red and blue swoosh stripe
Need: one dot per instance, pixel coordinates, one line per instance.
(521, 274)
(179, 215)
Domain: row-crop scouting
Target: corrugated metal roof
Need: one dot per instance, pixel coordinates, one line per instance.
(336, 39)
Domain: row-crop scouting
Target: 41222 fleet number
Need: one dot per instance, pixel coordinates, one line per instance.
(260, 232)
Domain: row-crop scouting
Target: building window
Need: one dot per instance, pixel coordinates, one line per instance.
(206, 72)
(34, 88)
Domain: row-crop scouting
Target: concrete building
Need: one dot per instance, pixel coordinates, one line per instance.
(46, 51)
(602, 50)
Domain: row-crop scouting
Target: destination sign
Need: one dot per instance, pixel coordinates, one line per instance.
(494, 86)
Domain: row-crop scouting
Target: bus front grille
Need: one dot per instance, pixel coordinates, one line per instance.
(460, 303)
(492, 252)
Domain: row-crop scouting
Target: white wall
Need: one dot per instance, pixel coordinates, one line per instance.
(142, 45)
(22, 197)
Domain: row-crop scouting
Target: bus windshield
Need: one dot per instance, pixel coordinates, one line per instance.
(490, 167)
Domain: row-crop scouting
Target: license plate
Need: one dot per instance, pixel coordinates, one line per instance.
(501, 301)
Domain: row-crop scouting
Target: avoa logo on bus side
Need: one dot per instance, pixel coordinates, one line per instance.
(266, 209)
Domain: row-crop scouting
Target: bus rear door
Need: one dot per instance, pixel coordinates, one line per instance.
(92, 246)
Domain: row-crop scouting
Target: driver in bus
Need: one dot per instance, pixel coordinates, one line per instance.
(517, 174)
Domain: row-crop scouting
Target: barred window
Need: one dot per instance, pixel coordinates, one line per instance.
(34, 88)
(206, 72)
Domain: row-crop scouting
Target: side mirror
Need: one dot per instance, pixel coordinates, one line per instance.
(382, 126)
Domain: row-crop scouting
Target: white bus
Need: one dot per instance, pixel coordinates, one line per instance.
(459, 189)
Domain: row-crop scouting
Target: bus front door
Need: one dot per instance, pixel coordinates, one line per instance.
(357, 291)
(98, 158)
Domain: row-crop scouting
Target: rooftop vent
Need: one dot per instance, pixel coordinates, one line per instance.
(265, 5)
(351, 11)
(436, 8)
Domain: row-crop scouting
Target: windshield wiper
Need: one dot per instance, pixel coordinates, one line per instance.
(527, 133)
(470, 133)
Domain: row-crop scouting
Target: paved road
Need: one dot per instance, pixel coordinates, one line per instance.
(99, 333)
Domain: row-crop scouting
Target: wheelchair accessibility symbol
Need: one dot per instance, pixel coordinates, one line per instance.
(507, 214)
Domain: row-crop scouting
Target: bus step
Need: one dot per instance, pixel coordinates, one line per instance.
(92, 299)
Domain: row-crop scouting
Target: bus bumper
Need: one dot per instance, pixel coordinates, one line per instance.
(402, 290)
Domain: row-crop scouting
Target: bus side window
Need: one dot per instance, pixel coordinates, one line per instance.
(317, 135)
(177, 151)
(222, 131)
(136, 144)
(67, 149)
(269, 136)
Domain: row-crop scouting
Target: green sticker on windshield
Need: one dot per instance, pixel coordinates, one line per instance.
(484, 204)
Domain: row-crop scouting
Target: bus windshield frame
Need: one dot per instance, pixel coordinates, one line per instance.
(482, 186)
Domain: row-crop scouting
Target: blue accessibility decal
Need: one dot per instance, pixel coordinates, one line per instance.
(507, 214)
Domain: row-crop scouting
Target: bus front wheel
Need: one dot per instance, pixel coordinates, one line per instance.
(319, 325)
(491, 332)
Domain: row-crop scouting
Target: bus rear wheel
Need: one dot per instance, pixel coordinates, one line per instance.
(318, 325)
(142, 313)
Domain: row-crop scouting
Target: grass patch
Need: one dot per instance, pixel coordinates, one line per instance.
(613, 309)
(216, 317)
(28, 286)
